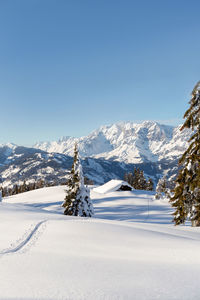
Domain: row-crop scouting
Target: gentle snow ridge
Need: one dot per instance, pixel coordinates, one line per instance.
(130, 250)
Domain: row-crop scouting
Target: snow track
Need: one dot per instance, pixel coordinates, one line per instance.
(28, 238)
(130, 250)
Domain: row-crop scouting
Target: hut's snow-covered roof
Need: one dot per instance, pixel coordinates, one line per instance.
(111, 186)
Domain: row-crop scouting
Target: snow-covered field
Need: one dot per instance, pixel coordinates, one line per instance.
(130, 250)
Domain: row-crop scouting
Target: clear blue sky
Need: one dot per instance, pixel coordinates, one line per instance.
(67, 67)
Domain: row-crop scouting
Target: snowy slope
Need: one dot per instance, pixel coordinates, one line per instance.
(46, 255)
(128, 142)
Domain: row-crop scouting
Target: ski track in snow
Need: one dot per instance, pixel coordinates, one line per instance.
(30, 237)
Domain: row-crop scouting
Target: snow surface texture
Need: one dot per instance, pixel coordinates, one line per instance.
(130, 250)
(127, 142)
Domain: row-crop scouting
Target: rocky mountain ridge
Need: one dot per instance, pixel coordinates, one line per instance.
(107, 153)
(126, 142)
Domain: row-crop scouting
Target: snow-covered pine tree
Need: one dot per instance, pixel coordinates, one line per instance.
(186, 198)
(136, 179)
(142, 184)
(128, 177)
(77, 201)
(161, 188)
(149, 185)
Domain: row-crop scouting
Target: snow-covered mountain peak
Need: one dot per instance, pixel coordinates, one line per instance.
(6, 150)
(126, 141)
(8, 145)
(64, 139)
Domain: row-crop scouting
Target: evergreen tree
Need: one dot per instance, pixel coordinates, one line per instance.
(4, 192)
(40, 184)
(128, 177)
(149, 185)
(15, 189)
(88, 181)
(77, 201)
(142, 184)
(161, 188)
(137, 179)
(186, 198)
(24, 187)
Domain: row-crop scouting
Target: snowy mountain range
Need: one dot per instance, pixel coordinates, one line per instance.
(21, 163)
(106, 153)
(126, 142)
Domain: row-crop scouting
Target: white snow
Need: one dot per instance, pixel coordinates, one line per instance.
(111, 186)
(126, 142)
(130, 250)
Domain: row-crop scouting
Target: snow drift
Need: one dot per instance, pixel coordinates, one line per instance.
(46, 255)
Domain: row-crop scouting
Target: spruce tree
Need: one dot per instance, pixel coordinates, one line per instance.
(24, 187)
(15, 189)
(149, 185)
(186, 198)
(142, 184)
(128, 177)
(136, 179)
(161, 188)
(139, 181)
(77, 201)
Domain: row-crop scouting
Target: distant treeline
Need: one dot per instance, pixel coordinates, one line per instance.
(30, 186)
(24, 187)
(138, 181)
